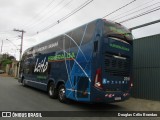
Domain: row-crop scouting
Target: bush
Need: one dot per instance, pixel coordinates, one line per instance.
(5, 62)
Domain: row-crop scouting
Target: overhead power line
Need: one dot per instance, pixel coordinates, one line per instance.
(42, 11)
(12, 43)
(146, 24)
(141, 14)
(120, 8)
(137, 10)
(67, 16)
(50, 11)
(49, 4)
(4, 32)
(47, 17)
(132, 9)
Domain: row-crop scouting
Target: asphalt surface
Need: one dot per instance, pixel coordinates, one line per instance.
(15, 97)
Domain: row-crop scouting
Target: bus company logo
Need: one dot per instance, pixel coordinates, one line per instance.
(6, 114)
(67, 56)
(119, 47)
(41, 66)
(43, 48)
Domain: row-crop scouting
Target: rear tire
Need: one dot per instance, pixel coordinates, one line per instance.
(52, 91)
(61, 94)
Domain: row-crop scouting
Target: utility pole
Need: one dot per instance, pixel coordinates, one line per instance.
(22, 31)
(1, 46)
(20, 56)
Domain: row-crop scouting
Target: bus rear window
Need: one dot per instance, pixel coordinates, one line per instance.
(112, 29)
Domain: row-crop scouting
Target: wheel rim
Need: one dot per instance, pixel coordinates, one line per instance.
(51, 90)
(61, 93)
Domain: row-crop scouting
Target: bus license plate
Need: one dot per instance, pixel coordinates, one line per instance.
(117, 98)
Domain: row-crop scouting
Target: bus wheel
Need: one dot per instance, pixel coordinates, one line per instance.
(52, 92)
(61, 94)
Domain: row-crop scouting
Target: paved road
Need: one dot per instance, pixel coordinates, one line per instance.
(15, 97)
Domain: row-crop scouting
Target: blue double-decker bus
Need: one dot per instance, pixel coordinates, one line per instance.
(91, 63)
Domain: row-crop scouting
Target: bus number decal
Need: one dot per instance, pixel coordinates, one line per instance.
(126, 78)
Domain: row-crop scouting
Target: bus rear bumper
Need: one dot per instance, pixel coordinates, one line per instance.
(109, 96)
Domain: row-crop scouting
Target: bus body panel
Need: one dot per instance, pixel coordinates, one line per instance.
(73, 59)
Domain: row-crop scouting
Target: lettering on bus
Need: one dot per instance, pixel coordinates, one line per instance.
(67, 56)
(41, 66)
(119, 31)
(43, 48)
(119, 47)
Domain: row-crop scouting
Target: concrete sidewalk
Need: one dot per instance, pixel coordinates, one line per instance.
(135, 104)
(5, 75)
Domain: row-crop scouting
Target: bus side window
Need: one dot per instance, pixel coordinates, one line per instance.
(96, 43)
(95, 46)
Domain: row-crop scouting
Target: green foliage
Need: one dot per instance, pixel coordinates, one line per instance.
(5, 62)
(6, 59)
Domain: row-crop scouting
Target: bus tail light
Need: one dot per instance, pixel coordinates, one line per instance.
(98, 79)
(109, 95)
(131, 83)
(125, 94)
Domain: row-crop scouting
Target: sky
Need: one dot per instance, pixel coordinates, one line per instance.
(33, 16)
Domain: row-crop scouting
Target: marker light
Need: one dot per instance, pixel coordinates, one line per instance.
(98, 79)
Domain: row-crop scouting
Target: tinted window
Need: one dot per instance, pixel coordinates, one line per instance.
(113, 29)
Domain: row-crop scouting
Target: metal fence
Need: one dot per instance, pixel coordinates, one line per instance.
(146, 68)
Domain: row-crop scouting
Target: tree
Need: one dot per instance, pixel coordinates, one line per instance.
(5, 59)
(5, 62)
(7, 56)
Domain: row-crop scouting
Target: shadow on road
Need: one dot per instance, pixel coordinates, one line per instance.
(96, 106)
(82, 105)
